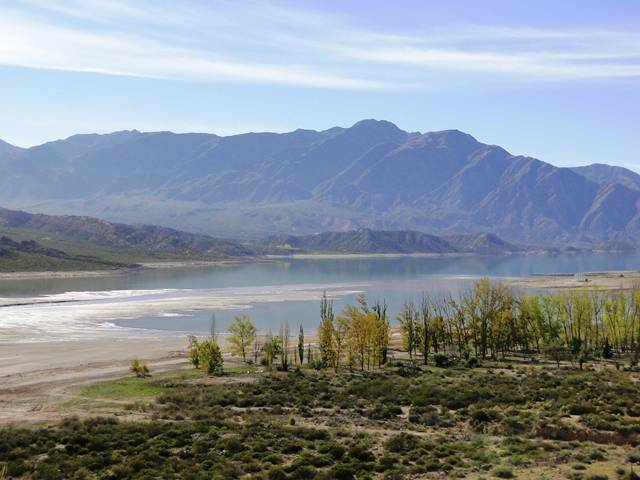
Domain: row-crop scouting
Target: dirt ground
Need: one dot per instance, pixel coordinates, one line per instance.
(36, 377)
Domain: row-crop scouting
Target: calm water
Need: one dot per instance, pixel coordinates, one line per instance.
(167, 292)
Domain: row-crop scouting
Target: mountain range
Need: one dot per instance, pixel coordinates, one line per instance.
(372, 175)
(32, 242)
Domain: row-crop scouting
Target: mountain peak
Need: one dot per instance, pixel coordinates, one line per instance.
(451, 137)
(368, 122)
(374, 125)
(6, 147)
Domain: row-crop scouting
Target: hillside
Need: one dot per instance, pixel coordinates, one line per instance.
(371, 175)
(87, 236)
(365, 241)
(482, 243)
(28, 255)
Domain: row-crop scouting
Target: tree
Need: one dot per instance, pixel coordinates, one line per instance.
(407, 318)
(584, 355)
(284, 338)
(554, 350)
(193, 351)
(607, 350)
(210, 357)
(243, 334)
(326, 332)
(256, 349)
(301, 345)
(382, 332)
(423, 328)
(271, 348)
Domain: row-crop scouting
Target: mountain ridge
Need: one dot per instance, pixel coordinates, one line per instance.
(603, 173)
(370, 175)
(366, 241)
(147, 239)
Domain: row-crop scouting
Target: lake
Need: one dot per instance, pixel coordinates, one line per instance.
(182, 300)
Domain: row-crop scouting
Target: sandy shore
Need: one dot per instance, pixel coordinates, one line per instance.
(35, 378)
(324, 256)
(610, 280)
(125, 270)
(201, 263)
(67, 274)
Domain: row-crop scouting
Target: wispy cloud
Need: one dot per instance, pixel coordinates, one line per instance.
(273, 44)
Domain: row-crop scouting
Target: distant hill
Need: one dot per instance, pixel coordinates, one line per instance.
(152, 241)
(365, 241)
(601, 173)
(482, 243)
(28, 255)
(371, 175)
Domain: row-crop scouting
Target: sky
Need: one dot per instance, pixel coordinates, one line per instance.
(559, 81)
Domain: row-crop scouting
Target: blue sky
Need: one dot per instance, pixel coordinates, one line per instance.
(556, 80)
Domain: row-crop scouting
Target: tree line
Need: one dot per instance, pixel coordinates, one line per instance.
(488, 320)
(492, 320)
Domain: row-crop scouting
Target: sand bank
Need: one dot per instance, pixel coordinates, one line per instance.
(610, 280)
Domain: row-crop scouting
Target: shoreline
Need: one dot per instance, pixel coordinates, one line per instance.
(328, 256)
(611, 280)
(142, 266)
(168, 264)
(67, 273)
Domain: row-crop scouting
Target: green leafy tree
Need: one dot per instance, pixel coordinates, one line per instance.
(210, 357)
(193, 351)
(243, 335)
(326, 332)
(272, 348)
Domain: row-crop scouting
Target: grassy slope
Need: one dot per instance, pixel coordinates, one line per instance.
(96, 257)
(29, 262)
(89, 256)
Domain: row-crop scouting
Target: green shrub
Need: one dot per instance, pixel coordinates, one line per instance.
(276, 473)
(401, 443)
(139, 368)
(441, 360)
(503, 472)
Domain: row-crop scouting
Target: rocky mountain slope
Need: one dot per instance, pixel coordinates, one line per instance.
(372, 175)
(601, 173)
